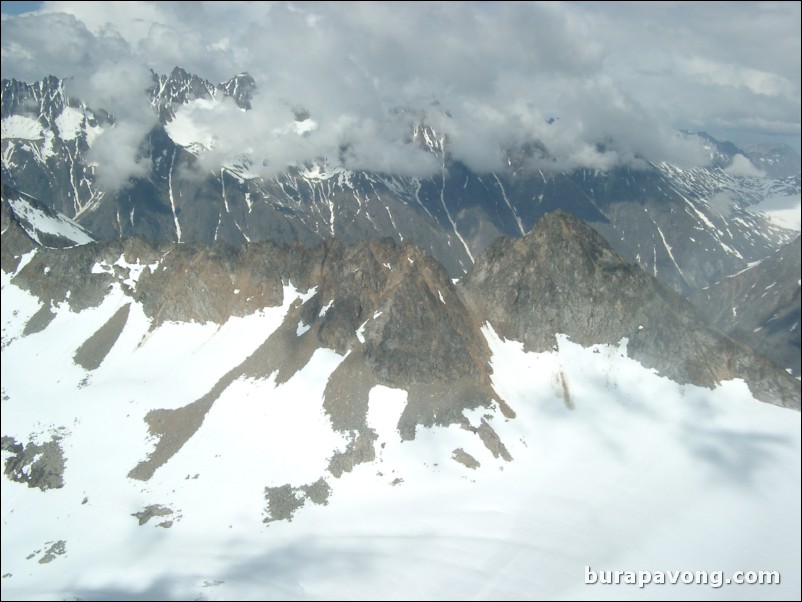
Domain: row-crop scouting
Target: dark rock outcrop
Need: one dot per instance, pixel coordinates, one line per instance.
(564, 278)
(37, 465)
(398, 319)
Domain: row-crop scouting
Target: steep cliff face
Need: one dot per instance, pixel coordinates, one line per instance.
(398, 316)
(394, 314)
(564, 278)
(390, 311)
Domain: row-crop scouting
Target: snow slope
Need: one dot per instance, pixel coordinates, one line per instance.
(36, 221)
(783, 210)
(613, 467)
(777, 199)
(22, 127)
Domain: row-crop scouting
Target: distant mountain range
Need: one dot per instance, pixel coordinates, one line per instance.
(689, 227)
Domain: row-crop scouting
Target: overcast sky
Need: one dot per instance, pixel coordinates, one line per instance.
(489, 75)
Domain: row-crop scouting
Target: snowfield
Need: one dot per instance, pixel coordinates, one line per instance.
(614, 467)
(784, 210)
(36, 221)
(21, 127)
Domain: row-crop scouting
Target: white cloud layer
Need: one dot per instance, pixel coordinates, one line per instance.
(742, 166)
(620, 77)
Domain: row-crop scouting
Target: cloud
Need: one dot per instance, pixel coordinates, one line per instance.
(102, 71)
(116, 152)
(743, 167)
(756, 81)
(119, 87)
(488, 76)
(37, 45)
(722, 203)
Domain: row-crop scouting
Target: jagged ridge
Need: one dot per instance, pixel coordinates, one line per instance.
(669, 221)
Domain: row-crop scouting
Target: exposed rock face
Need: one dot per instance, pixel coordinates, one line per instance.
(761, 306)
(171, 91)
(154, 510)
(407, 327)
(564, 278)
(181, 283)
(393, 310)
(208, 283)
(16, 242)
(402, 323)
(359, 450)
(40, 466)
(94, 350)
(58, 548)
(65, 275)
(283, 501)
(776, 160)
(464, 458)
(41, 224)
(396, 317)
(560, 278)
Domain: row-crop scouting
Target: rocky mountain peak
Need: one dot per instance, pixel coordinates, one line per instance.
(176, 89)
(563, 277)
(551, 281)
(180, 87)
(396, 315)
(719, 152)
(44, 99)
(241, 88)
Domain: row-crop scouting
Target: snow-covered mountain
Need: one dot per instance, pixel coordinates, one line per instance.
(690, 227)
(45, 226)
(324, 422)
(345, 384)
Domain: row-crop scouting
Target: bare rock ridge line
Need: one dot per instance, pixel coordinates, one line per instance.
(399, 319)
(396, 317)
(657, 215)
(561, 277)
(564, 278)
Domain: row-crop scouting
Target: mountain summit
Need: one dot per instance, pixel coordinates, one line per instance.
(563, 277)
